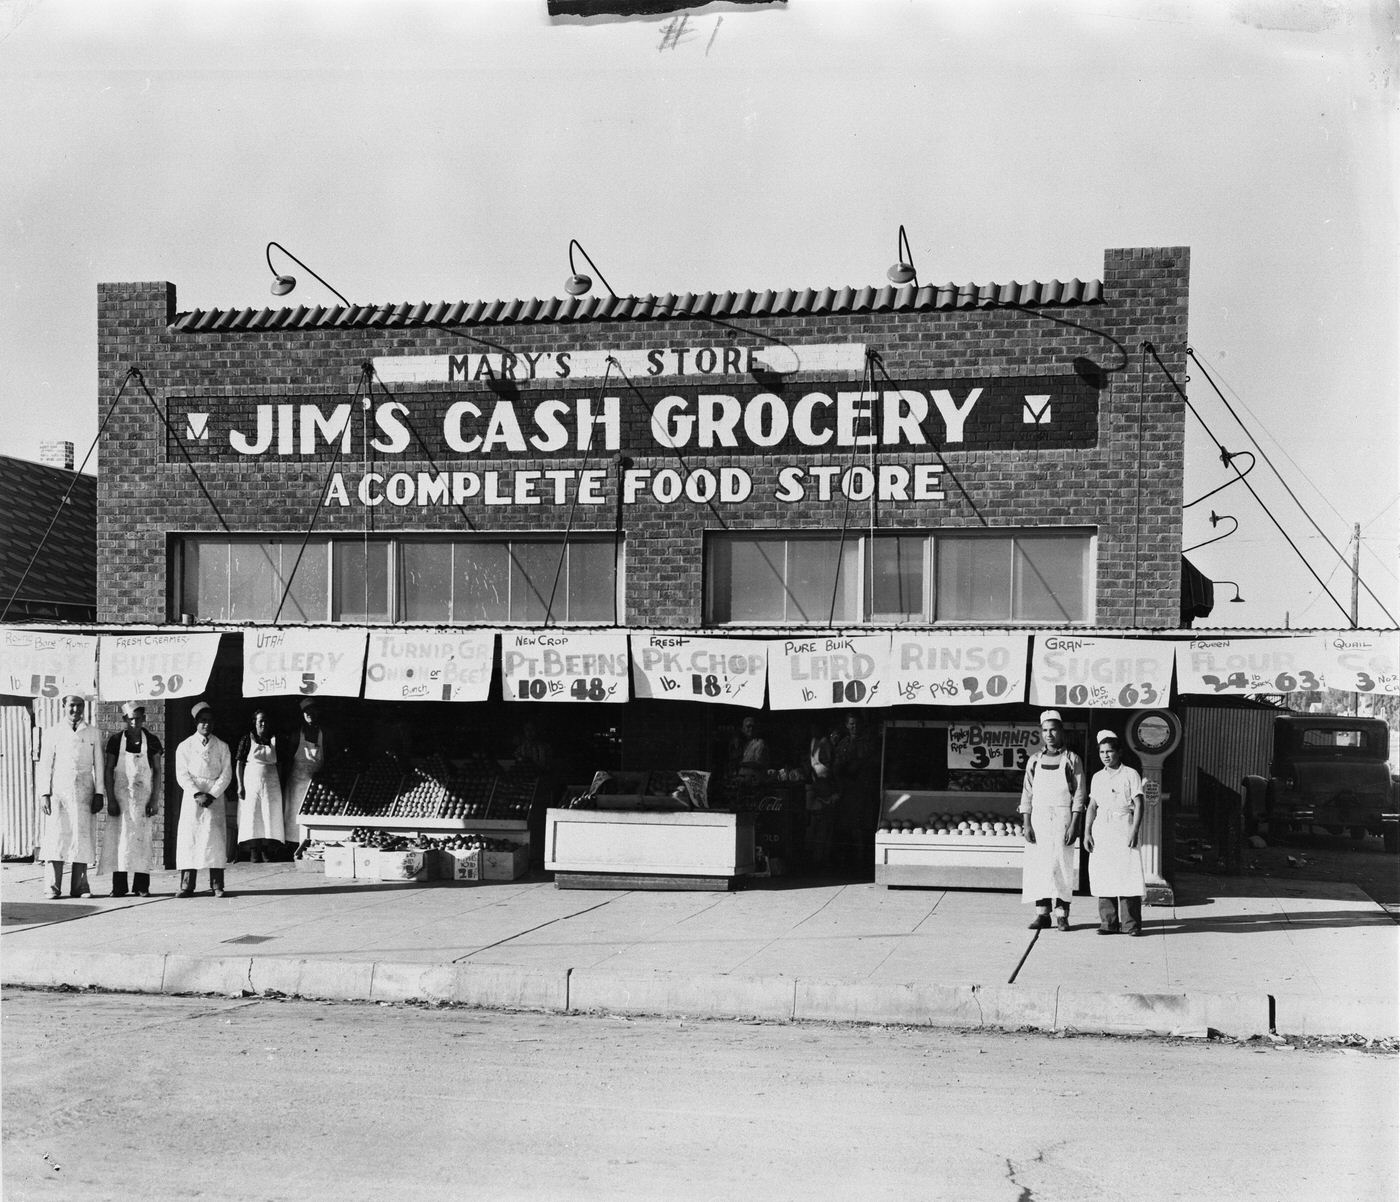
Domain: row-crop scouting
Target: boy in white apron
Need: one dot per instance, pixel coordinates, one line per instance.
(1114, 841)
(1052, 816)
(133, 784)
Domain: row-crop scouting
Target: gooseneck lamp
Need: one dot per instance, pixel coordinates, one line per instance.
(1236, 599)
(579, 283)
(283, 284)
(903, 271)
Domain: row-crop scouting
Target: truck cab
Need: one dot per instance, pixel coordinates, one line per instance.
(1327, 770)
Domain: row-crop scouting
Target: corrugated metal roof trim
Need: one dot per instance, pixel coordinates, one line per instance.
(789, 302)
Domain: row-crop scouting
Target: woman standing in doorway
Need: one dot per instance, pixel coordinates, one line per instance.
(259, 792)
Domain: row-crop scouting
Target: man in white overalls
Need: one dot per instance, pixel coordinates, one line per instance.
(1052, 818)
(133, 782)
(70, 783)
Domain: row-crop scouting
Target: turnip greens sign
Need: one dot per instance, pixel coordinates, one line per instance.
(430, 665)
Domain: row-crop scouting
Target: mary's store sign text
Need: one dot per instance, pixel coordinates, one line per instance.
(461, 443)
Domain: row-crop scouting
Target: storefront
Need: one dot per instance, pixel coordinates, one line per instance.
(608, 531)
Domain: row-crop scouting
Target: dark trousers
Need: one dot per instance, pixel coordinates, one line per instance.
(77, 882)
(1043, 903)
(140, 883)
(189, 877)
(1129, 907)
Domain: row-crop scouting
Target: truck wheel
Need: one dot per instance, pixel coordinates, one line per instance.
(1391, 835)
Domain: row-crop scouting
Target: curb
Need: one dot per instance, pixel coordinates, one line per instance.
(782, 999)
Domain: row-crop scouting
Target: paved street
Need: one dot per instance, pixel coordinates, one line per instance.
(117, 1096)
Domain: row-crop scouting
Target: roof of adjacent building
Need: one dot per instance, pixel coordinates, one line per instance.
(61, 582)
(789, 302)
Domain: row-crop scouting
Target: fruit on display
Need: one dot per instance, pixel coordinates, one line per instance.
(467, 842)
(420, 796)
(979, 825)
(376, 787)
(328, 793)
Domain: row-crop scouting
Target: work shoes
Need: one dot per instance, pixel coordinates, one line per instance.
(1041, 922)
(1062, 922)
(1110, 931)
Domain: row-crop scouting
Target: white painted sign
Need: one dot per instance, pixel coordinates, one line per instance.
(564, 665)
(1352, 660)
(726, 361)
(430, 665)
(992, 746)
(34, 664)
(302, 661)
(677, 667)
(155, 667)
(1079, 670)
(838, 672)
(959, 669)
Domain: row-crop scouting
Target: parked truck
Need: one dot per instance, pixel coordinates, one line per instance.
(1328, 770)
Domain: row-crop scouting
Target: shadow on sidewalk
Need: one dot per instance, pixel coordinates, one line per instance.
(38, 912)
(1248, 924)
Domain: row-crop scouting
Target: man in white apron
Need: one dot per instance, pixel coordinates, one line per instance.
(133, 782)
(1052, 816)
(70, 785)
(204, 769)
(1114, 841)
(309, 758)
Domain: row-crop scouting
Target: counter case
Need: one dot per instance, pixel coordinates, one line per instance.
(632, 849)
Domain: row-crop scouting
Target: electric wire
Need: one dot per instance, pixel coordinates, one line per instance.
(1181, 392)
(1293, 496)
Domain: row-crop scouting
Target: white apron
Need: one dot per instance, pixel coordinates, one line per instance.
(260, 807)
(128, 844)
(1115, 869)
(1048, 868)
(70, 773)
(201, 839)
(305, 764)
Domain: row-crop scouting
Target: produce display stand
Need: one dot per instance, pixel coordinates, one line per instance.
(434, 797)
(634, 849)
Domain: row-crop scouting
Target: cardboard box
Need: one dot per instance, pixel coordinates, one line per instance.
(366, 863)
(505, 865)
(459, 865)
(400, 866)
(340, 861)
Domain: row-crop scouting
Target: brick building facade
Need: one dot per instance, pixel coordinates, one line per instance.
(1075, 428)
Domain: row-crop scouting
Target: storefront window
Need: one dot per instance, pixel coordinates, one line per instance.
(398, 580)
(923, 577)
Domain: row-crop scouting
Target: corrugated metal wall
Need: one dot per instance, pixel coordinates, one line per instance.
(20, 832)
(1227, 744)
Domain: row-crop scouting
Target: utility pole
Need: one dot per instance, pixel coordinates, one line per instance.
(1355, 573)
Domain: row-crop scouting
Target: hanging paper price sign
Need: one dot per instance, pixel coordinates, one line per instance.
(675, 667)
(1079, 671)
(1234, 667)
(845, 672)
(959, 669)
(1363, 661)
(302, 661)
(564, 665)
(34, 664)
(430, 665)
(155, 667)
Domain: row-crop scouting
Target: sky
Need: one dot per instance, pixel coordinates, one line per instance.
(449, 151)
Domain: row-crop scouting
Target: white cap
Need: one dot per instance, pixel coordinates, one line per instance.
(198, 708)
(67, 697)
(1051, 716)
(129, 708)
(1107, 736)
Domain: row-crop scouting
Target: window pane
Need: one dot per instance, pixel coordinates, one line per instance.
(592, 582)
(306, 600)
(974, 579)
(812, 579)
(426, 572)
(1050, 578)
(533, 568)
(753, 569)
(252, 577)
(480, 582)
(898, 573)
(361, 588)
(204, 589)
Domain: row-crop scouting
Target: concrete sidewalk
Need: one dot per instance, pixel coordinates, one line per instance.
(1238, 956)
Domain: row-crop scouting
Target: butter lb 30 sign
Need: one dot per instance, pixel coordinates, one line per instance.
(155, 667)
(1079, 671)
(565, 665)
(674, 667)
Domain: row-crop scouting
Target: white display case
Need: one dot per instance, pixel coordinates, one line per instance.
(608, 849)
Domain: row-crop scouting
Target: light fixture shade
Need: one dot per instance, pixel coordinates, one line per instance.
(901, 273)
(577, 285)
(283, 284)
